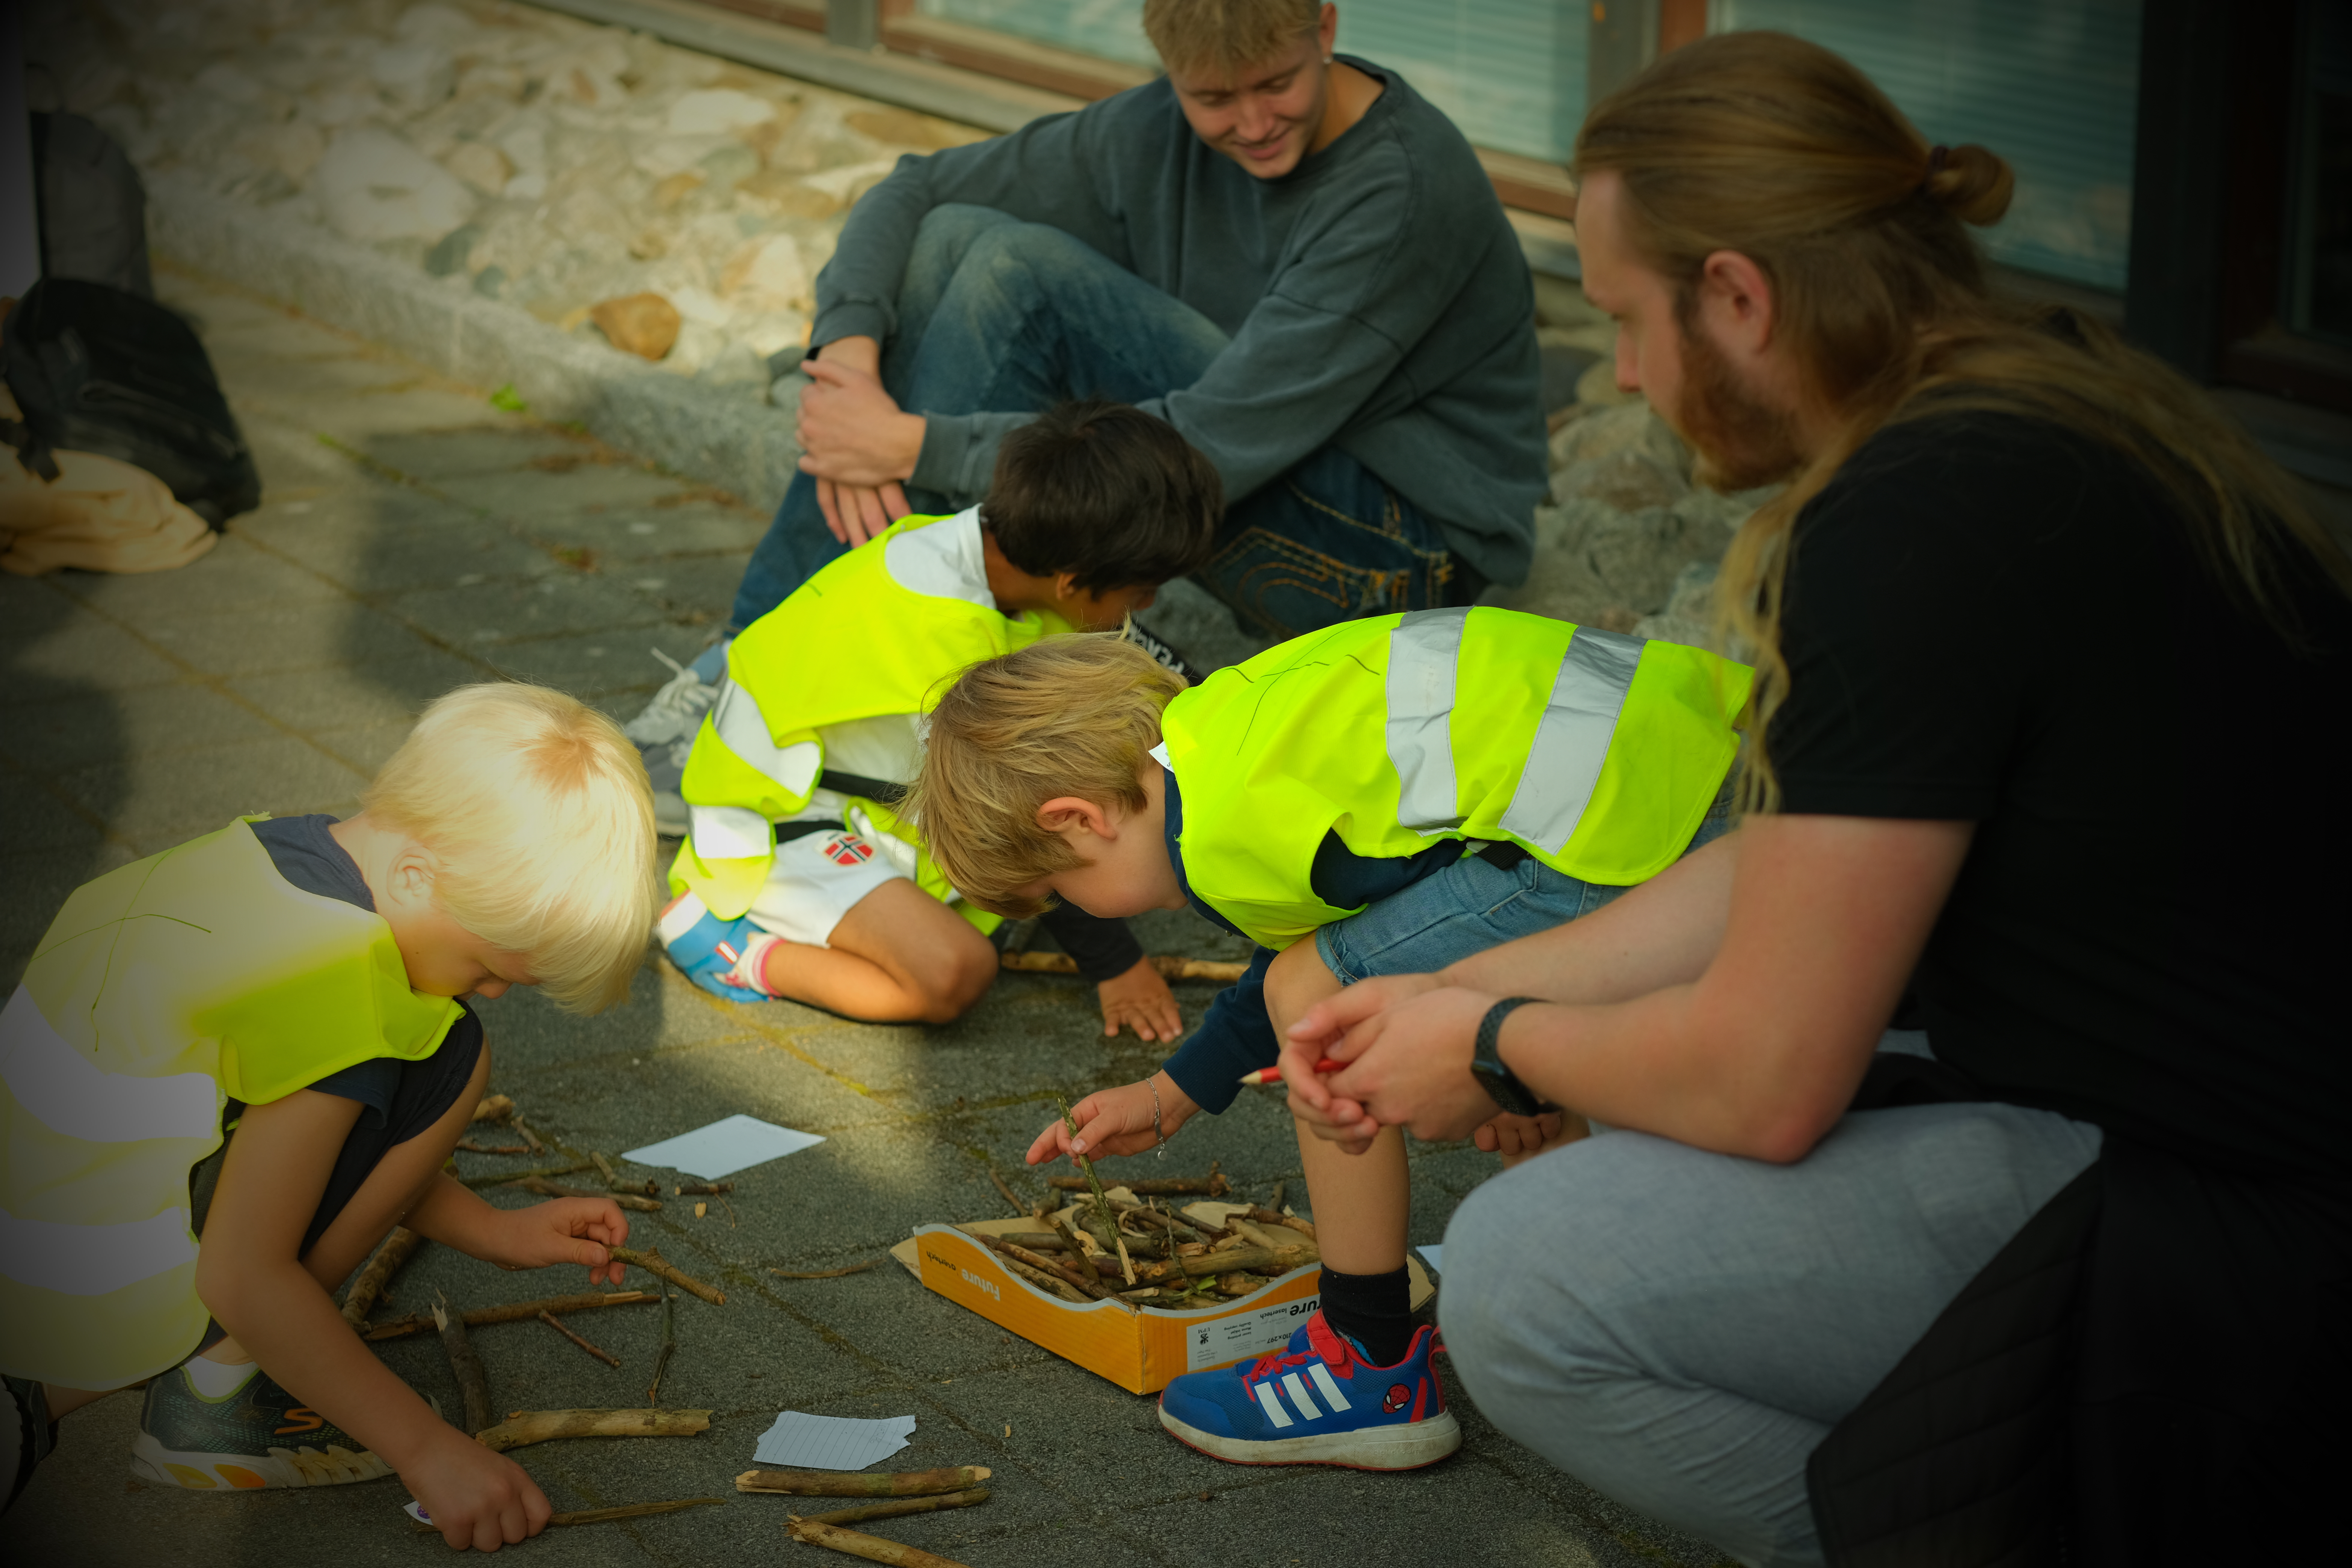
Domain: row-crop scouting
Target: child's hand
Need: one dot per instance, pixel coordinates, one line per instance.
(1141, 998)
(563, 1230)
(1117, 1122)
(1517, 1138)
(474, 1496)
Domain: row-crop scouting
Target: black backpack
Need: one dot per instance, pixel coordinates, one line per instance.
(97, 369)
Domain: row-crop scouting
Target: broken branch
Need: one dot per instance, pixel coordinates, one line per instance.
(469, 1146)
(368, 1288)
(655, 1264)
(1039, 1261)
(863, 1483)
(825, 1273)
(1212, 1186)
(1019, 1208)
(553, 1322)
(864, 1512)
(1275, 1217)
(523, 1428)
(546, 1188)
(702, 1189)
(514, 1311)
(472, 1382)
(528, 1136)
(1102, 1205)
(491, 1178)
(873, 1548)
(606, 1515)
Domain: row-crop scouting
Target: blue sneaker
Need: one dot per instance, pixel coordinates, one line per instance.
(708, 949)
(1318, 1402)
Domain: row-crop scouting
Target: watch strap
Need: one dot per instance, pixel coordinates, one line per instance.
(1501, 1084)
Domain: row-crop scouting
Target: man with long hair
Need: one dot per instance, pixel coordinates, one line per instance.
(2041, 762)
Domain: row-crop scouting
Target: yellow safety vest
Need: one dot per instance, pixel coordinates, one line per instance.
(881, 630)
(1599, 753)
(161, 991)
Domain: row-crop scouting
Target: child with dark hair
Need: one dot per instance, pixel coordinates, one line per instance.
(798, 878)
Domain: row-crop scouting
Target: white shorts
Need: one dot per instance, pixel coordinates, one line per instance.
(817, 879)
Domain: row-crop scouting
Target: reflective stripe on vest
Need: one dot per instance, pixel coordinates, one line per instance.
(745, 729)
(1573, 741)
(1423, 653)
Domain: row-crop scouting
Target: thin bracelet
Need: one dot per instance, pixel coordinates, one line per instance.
(1160, 1153)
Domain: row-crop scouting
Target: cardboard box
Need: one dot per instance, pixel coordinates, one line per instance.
(1139, 1348)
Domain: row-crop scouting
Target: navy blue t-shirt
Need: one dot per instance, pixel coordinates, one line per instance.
(306, 855)
(1237, 1036)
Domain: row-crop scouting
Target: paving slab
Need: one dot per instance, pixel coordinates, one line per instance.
(404, 519)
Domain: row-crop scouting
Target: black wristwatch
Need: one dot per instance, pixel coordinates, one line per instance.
(1501, 1084)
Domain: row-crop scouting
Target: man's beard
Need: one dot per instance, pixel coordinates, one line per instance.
(1740, 442)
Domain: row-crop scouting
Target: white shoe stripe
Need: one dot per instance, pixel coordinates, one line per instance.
(1301, 1398)
(1268, 1397)
(1328, 1386)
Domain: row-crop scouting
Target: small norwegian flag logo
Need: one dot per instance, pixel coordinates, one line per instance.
(848, 849)
(1397, 1398)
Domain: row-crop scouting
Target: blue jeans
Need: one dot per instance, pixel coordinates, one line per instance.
(1469, 907)
(997, 315)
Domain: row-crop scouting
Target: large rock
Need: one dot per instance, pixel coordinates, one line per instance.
(645, 325)
(374, 186)
(481, 166)
(721, 111)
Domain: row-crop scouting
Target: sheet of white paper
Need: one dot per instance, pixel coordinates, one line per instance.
(1431, 1252)
(803, 1442)
(724, 1148)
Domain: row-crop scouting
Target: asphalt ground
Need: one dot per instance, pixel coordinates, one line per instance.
(414, 537)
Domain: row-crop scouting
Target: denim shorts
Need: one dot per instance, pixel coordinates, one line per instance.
(1469, 907)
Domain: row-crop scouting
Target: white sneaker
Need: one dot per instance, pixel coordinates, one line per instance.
(675, 711)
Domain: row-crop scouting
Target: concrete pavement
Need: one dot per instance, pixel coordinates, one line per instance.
(415, 538)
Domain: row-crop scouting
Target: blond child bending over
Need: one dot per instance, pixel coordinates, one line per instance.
(234, 1067)
(1381, 796)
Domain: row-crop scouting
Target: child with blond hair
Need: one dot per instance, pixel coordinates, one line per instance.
(1382, 796)
(234, 1067)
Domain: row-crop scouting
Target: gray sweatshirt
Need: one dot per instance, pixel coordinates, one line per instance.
(1376, 298)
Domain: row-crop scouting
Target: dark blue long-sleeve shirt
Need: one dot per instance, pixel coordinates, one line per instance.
(1237, 1036)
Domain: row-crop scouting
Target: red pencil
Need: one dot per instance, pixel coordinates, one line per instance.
(1273, 1075)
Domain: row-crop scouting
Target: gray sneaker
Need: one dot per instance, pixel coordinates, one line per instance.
(665, 767)
(676, 710)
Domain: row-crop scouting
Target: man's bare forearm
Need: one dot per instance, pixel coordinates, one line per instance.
(1664, 932)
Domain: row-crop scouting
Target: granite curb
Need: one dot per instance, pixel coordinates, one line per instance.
(711, 434)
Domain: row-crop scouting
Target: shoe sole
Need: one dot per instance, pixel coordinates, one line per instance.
(150, 1460)
(1406, 1446)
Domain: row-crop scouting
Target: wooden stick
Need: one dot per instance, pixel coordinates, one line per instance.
(1019, 1208)
(469, 1146)
(1038, 1260)
(492, 1178)
(546, 1188)
(368, 1288)
(862, 1483)
(471, 1381)
(864, 1512)
(523, 1428)
(668, 1346)
(605, 1168)
(825, 1273)
(494, 1107)
(1275, 1217)
(513, 1312)
(528, 1136)
(1102, 1205)
(1052, 1284)
(1253, 1259)
(606, 1515)
(873, 1548)
(553, 1322)
(702, 1189)
(654, 1263)
(1168, 966)
(1213, 1185)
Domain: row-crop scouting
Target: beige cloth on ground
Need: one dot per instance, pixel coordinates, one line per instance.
(100, 514)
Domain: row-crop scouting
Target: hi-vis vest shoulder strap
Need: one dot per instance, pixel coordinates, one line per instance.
(1599, 753)
(161, 990)
(880, 630)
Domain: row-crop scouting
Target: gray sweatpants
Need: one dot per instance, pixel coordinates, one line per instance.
(1679, 1328)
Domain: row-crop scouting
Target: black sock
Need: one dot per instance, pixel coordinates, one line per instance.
(1373, 1310)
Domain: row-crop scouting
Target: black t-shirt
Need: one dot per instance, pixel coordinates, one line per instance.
(306, 855)
(1994, 620)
